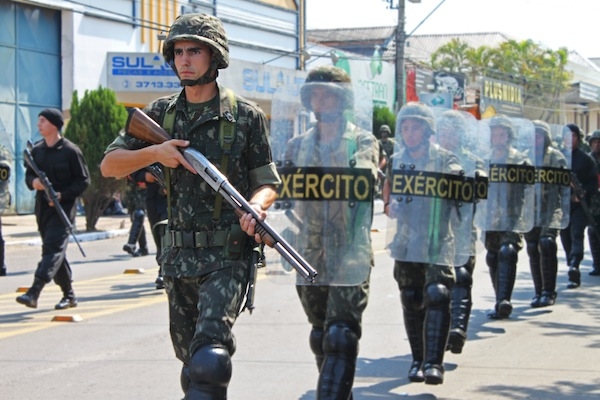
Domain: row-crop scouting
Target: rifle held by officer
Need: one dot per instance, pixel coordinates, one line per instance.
(51, 195)
(142, 127)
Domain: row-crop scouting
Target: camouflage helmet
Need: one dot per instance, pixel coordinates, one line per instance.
(419, 111)
(386, 129)
(543, 127)
(503, 121)
(330, 77)
(202, 28)
(452, 121)
(594, 135)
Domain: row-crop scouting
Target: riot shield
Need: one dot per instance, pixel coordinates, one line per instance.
(511, 176)
(552, 178)
(460, 132)
(430, 192)
(328, 167)
(6, 162)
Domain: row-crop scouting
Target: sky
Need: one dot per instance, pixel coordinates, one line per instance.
(574, 24)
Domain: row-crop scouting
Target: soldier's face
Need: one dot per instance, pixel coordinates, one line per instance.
(413, 132)
(499, 136)
(324, 100)
(595, 145)
(192, 59)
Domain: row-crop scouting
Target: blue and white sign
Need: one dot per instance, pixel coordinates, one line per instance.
(140, 72)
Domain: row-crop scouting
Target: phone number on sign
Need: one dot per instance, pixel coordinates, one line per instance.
(157, 84)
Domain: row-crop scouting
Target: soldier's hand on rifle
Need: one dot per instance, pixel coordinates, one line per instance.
(168, 154)
(37, 184)
(248, 223)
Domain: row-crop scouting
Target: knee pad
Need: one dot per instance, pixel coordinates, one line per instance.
(463, 277)
(436, 294)
(508, 253)
(411, 298)
(547, 245)
(184, 378)
(340, 339)
(315, 341)
(210, 365)
(138, 214)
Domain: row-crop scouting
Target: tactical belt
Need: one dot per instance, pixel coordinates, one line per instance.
(194, 240)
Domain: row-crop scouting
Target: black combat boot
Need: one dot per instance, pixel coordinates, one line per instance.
(460, 307)
(549, 271)
(507, 273)
(436, 330)
(30, 298)
(137, 225)
(68, 301)
(595, 250)
(3, 270)
(340, 349)
(574, 273)
(536, 272)
(414, 317)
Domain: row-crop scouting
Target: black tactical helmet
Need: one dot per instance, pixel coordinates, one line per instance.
(505, 122)
(417, 110)
(594, 135)
(330, 77)
(202, 28)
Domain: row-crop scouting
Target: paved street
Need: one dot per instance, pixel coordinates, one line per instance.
(121, 349)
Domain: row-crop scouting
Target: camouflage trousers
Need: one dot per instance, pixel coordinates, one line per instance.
(202, 310)
(325, 305)
(411, 274)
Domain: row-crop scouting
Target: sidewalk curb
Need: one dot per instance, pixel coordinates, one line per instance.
(82, 237)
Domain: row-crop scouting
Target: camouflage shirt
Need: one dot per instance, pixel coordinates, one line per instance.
(595, 199)
(191, 199)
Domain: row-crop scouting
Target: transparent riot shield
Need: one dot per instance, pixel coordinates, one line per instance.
(430, 192)
(552, 183)
(511, 176)
(6, 162)
(458, 132)
(328, 167)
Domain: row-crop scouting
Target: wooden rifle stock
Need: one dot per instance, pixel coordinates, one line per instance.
(142, 127)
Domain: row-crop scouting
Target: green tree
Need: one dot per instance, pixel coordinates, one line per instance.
(540, 71)
(95, 121)
(383, 116)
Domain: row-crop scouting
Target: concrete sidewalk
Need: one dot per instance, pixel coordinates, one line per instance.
(22, 229)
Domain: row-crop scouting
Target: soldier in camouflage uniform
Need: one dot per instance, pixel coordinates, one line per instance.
(541, 240)
(135, 198)
(207, 248)
(336, 233)
(5, 170)
(503, 246)
(594, 231)
(424, 279)
(452, 135)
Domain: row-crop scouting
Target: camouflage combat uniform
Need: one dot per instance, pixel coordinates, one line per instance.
(337, 242)
(205, 261)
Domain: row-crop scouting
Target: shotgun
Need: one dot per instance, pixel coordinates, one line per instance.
(142, 127)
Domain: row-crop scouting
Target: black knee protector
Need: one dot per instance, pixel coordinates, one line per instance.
(463, 277)
(210, 365)
(315, 341)
(411, 298)
(341, 340)
(138, 215)
(548, 245)
(508, 253)
(184, 378)
(436, 294)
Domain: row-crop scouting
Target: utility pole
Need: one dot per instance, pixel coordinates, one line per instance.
(400, 39)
